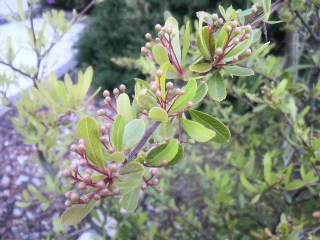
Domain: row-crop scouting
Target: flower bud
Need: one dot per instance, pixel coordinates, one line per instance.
(165, 162)
(235, 58)
(248, 29)
(154, 172)
(100, 184)
(169, 29)
(145, 112)
(82, 185)
(220, 21)
(155, 181)
(74, 197)
(228, 28)
(190, 104)
(82, 148)
(206, 16)
(73, 182)
(238, 30)
(68, 203)
(105, 192)
(68, 194)
(74, 148)
(88, 171)
(159, 190)
(122, 87)
(182, 92)
(103, 129)
(106, 93)
(178, 91)
(85, 199)
(247, 36)
(219, 51)
(117, 191)
(191, 141)
(97, 197)
(214, 17)
(74, 168)
(67, 173)
(161, 34)
(254, 9)
(113, 167)
(157, 40)
(234, 24)
(158, 94)
(144, 186)
(148, 36)
(108, 125)
(236, 40)
(86, 178)
(144, 51)
(316, 214)
(170, 85)
(173, 34)
(101, 112)
(154, 87)
(158, 27)
(248, 52)
(82, 141)
(116, 91)
(159, 73)
(103, 139)
(108, 100)
(83, 162)
(112, 150)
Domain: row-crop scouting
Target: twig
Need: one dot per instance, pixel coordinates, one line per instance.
(17, 70)
(306, 25)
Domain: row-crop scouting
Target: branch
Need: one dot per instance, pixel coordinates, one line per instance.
(17, 70)
(142, 142)
(306, 25)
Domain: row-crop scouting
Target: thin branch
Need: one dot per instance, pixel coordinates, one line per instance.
(306, 25)
(17, 70)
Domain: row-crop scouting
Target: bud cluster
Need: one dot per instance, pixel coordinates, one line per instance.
(151, 182)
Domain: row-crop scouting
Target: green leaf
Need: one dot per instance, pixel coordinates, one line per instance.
(130, 201)
(166, 130)
(163, 152)
(201, 67)
(178, 157)
(269, 176)
(128, 185)
(203, 41)
(223, 134)
(146, 101)
(295, 185)
(124, 107)
(76, 213)
(200, 93)
(160, 54)
(176, 40)
(216, 87)
(239, 49)
(255, 53)
(186, 42)
(118, 132)
(158, 114)
(162, 79)
(183, 100)
(247, 184)
(238, 71)
(197, 131)
(143, 83)
(88, 130)
(131, 171)
(23, 204)
(117, 157)
(223, 36)
(133, 133)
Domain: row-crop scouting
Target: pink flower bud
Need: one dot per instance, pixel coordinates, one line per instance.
(158, 94)
(108, 125)
(190, 104)
(73, 182)
(112, 150)
(178, 91)
(85, 199)
(103, 129)
(219, 51)
(238, 30)
(182, 92)
(100, 184)
(82, 141)
(68, 203)
(97, 197)
(159, 73)
(168, 29)
(154, 87)
(67, 173)
(220, 21)
(86, 178)
(74, 148)
(247, 36)
(148, 36)
(236, 40)
(83, 162)
(116, 175)
(117, 191)
(248, 28)
(158, 27)
(144, 50)
(105, 192)
(108, 100)
(149, 45)
(144, 186)
(254, 9)
(88, 171)
(228, 28)
(101, 112)
(122, 87)
(106, 93)
(82, 185)
(68, 194)
(74, 168)
(214, 17)
(248, 52)
(113, 167)
(234, 24)
(170, 85)
(173, 34)
(154, 172)
(81, 148)
(235, 58)
(191, 141)
(116, 91)
(155, 181)
(161, 34)
(103, 139)
(165, 162)
(74, 197)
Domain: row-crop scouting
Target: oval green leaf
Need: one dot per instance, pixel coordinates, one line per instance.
(133, 133)
(201, 67)
(118, 132)
(181, 103)
(216, 87)
(197, 131)
(130, 201)
(238, 71)
(163, 152)
(158, 114)
(160, 54)
(124, 107)
(200, 93)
